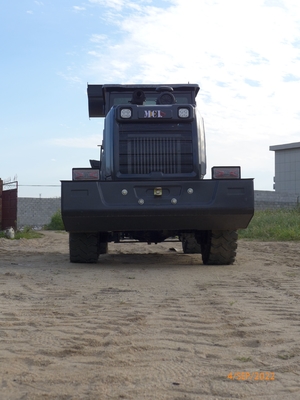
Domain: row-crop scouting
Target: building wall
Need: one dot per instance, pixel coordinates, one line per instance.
(287, 167)
(267, 200)
(37, 212)
(287, 170)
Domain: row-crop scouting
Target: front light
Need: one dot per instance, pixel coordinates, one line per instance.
(126, 113)
(183, 113)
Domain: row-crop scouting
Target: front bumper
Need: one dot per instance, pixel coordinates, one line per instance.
(93, 206)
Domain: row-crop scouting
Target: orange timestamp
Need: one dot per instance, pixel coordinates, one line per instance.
(251, 376)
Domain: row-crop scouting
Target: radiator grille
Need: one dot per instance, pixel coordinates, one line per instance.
(148, 153)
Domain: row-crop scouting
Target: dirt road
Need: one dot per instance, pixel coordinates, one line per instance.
(148, 322)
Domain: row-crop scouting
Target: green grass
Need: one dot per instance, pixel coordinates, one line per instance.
(244, 359)
(286, 356)
(273, 225)
(56, 223)
(26, 233)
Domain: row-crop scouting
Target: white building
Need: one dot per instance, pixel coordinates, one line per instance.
(287, 167)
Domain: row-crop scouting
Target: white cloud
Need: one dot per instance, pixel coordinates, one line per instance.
(120, 5)
(211, 45)
(70, 76)
(244, 55)
(98, 38)
(77, 8)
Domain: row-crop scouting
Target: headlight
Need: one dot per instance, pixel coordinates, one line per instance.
(183, 113)
(126, 113)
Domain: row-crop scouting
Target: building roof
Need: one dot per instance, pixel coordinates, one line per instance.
(287, 146)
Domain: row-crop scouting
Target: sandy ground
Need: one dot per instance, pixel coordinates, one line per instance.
(148, 322)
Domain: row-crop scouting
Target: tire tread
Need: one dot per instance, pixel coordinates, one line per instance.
(221, 248)
(83, 247)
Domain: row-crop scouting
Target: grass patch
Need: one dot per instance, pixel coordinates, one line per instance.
(273, 225)
(56, 223)
(26, 233)
(285, 356)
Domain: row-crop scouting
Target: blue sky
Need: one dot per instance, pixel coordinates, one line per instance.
(244, 54)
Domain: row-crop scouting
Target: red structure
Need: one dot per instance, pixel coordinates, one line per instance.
(8, 204)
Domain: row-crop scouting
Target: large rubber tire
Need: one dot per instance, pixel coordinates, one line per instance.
(220, 248)
(190, 244)
(84, 247)
(102, 243)
(102, 247)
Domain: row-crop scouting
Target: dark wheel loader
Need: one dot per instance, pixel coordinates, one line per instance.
(149, 182)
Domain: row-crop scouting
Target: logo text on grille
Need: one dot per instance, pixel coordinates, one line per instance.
(154, 114)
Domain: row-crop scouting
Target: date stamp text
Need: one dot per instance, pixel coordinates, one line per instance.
(251, 376)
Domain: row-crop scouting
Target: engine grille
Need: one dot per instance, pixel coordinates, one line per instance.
(143, 154)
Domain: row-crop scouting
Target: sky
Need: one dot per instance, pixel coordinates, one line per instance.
(244, 54)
